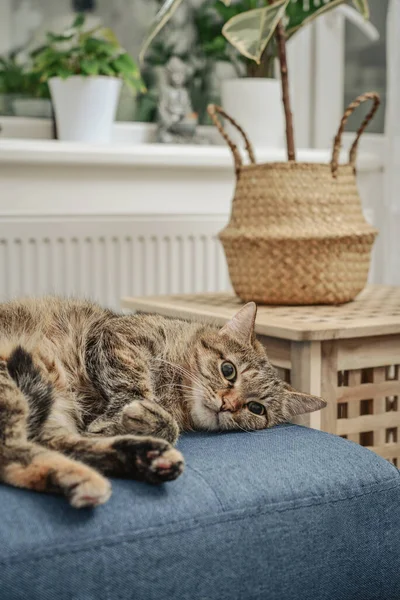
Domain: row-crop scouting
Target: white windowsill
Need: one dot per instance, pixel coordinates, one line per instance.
(28, 141)
(53, 152)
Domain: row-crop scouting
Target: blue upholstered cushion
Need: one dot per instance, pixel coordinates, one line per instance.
(285, 514)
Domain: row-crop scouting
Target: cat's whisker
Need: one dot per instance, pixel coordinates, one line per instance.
(187, 391)
(185, 372)
(253, 431)
(174, 385)
(181, 369)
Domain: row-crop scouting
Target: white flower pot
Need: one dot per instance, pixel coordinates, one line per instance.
(85, 107)
(256, 104)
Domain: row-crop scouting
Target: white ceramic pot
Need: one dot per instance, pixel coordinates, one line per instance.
(85, 107)
(256, 104)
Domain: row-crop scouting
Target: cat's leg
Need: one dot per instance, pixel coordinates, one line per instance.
(136, 457)
(143, 417)
(29, 465)
(121, 372)
(34, 467)
(57, 429)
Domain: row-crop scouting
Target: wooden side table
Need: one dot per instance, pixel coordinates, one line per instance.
(348, 354)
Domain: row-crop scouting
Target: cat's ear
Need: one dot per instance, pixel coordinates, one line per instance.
(241, 326)
(298, 403)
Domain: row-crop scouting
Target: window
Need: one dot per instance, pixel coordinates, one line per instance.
(365, 64)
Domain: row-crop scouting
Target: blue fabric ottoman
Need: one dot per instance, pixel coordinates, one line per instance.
(284, 514)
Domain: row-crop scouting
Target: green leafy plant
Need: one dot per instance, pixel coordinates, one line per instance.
(18, 79)
(250, 24)
(87, 53)
(210, 20)
(162, 17)
(251, 30)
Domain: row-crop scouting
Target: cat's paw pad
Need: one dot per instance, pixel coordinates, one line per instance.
(164, 466)
(89, 491)
(151, 459)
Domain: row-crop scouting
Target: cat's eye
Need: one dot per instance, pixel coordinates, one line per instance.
(256, 408)
(228, 370)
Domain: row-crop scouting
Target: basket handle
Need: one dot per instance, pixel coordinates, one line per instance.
(213, 110)
(338, 139)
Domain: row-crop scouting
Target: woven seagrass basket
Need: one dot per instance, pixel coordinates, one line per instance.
(297, 234)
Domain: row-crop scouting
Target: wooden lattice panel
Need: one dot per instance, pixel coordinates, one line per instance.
(376, 311)
(368, 410)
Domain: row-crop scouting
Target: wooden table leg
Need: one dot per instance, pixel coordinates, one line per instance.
(306, 376)
(353, 406)
(329, 384)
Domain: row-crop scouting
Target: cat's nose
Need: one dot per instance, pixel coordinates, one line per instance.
(230, 404)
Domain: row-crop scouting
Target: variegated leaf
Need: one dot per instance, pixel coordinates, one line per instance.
(301, 12)
(362, 7)
(161, 18)
(251, 31)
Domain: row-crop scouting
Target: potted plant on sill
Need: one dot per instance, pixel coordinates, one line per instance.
(248, 90)
(85, 70)
(22, 94)
(248, 26)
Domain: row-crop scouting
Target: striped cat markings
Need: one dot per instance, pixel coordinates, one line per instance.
(87, 393)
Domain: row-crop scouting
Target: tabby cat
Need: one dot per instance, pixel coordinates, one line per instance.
(85, 392)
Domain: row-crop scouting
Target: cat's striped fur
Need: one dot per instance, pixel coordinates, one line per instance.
(85, 392)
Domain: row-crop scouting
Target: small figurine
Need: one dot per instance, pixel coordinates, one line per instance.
(176, 120)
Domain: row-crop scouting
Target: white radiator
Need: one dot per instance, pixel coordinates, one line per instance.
(123, 219)
(104, 258)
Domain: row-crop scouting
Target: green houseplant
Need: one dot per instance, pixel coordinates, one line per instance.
(297, 233)
(258, 31)
(85, 70)
(22, 93)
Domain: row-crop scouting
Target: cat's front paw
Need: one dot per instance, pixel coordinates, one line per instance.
(164, 465)
(139, 417)
(151, 460)
(145, 417)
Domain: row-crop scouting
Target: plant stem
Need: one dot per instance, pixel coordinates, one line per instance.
(281, 44)
(267, 63)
